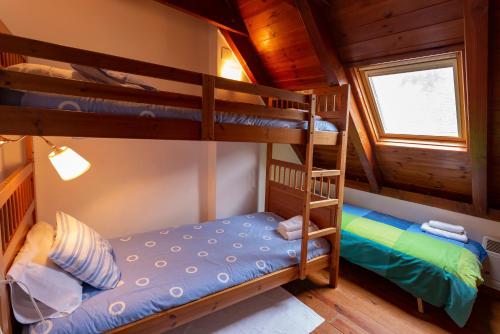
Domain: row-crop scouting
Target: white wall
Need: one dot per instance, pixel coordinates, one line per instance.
(12, 157)
(476, 227)
(136, 185)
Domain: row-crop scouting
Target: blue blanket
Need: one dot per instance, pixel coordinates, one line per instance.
(88, 104)
(443, 272)
(167, 268)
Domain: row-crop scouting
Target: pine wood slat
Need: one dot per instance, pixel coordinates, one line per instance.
(323, 173)
(39, 49)
(51, 122)
(323, 203)
(322, 233)
(25, 81)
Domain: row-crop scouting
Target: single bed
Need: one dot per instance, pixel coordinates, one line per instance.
(440, 271)
(167, 268)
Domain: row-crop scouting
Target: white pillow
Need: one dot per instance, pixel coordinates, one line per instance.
(58, 293)
(112, 77)
(82, 252)
(48, 71)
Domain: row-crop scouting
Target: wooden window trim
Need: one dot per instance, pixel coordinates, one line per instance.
(454, 59)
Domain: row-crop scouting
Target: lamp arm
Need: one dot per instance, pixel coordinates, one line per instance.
(51, 144)
(5, 140)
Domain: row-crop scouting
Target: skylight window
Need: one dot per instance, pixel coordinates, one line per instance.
(418, 99)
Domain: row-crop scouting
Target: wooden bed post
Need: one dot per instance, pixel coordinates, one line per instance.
(208, 110)
(269, 158)
(339, 192)
(306, 210)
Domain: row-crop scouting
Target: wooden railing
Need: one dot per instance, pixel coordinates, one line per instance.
(10, 44)
(16, 203)
(293, 175)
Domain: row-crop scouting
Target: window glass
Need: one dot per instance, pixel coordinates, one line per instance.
(417, 103)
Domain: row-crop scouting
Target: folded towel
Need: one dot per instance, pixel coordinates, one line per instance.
(450, 235)
(297, 234)
(447, 227)
(292, 224)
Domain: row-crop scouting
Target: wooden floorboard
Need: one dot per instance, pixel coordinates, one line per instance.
(366, 303)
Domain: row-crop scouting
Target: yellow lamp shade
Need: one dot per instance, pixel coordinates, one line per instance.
(68, 164)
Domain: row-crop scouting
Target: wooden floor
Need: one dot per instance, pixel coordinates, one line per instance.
(367, 303)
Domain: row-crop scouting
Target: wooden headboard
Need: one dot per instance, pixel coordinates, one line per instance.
(17, 208)
(8, 59)
(17, 215)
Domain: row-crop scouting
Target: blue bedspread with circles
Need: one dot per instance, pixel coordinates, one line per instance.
(167, 268)
(101, 106)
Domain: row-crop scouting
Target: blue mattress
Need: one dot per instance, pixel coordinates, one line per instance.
(95, 105)
(167, 268)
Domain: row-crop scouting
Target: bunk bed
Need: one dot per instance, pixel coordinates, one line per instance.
(291, 189)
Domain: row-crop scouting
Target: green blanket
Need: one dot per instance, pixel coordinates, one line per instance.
(440, 272)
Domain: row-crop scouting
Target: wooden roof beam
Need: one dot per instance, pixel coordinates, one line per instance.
(247, 56)
(225, 15)
(336, 74)
(476, 71)
(221, 13)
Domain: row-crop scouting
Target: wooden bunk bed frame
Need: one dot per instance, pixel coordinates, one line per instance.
(286, 105)
(291, 189)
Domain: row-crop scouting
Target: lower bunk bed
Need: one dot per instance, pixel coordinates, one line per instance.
(168, 277)
(443, 272)
(163, 270)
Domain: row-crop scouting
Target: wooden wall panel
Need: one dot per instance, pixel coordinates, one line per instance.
(371, 29)
(281, 40)
(494, 107)
(435, 172)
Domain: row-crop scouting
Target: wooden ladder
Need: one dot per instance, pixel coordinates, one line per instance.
(336, 202)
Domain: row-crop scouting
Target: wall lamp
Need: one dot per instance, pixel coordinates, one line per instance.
(68, 164)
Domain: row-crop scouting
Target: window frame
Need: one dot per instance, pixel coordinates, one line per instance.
(454, 60)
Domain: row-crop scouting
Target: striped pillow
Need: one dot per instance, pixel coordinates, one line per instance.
(82, 252)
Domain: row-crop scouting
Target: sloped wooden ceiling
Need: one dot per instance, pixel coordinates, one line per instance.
(367, 31)
(375, 31)
(282, 42)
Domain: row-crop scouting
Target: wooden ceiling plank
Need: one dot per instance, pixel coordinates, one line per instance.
(421, 17)
(218, 12)
(336, 74)
(476, 61)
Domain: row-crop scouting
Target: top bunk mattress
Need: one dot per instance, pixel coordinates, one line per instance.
(167, 268)
(102, 106)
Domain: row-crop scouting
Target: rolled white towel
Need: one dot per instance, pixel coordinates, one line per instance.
(450, 235)
(297, 234)
(292, 224)
(447, 227)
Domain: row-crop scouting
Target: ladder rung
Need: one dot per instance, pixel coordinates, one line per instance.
(325, 173)
(324, 202)
(322, 233)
